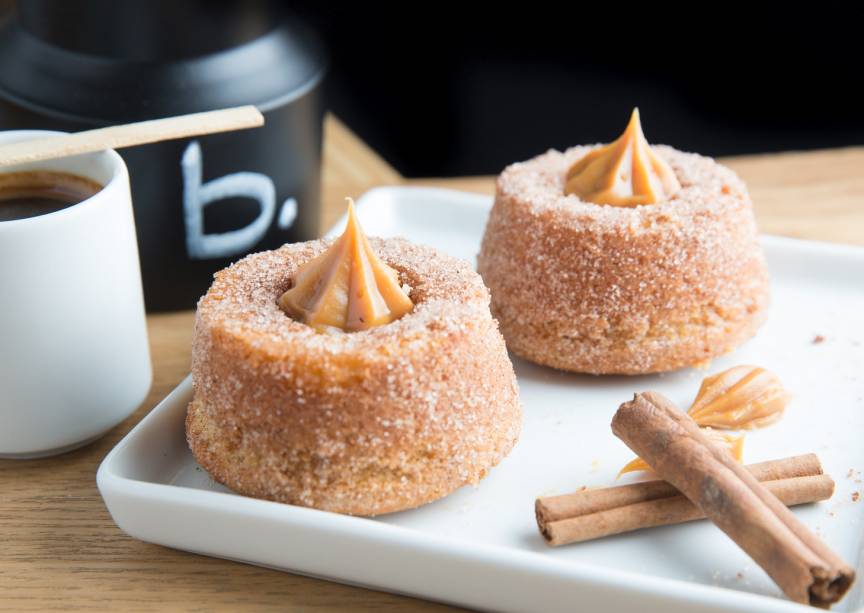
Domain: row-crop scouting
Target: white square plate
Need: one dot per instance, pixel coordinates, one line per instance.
(480, 547)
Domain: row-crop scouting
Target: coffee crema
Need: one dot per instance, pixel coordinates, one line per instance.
(39, 192)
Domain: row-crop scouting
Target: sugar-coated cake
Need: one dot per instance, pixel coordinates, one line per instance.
(362, 422)
(666, 272)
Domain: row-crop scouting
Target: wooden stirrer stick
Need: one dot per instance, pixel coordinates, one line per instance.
(130, 134)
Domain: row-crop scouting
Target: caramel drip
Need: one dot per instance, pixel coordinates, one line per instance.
(740, 398)
(733, 444)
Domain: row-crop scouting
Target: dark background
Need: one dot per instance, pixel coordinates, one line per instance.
(466, 88)
(452, 89)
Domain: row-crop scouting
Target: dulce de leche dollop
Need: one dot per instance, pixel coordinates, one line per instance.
(347, 287)
(624, 173)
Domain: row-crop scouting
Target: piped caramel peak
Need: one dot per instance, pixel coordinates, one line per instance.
(624, 173)
(347, 287)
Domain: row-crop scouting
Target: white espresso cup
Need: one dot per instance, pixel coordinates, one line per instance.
(74, 358)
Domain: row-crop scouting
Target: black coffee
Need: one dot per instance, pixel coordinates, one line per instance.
(34, 193)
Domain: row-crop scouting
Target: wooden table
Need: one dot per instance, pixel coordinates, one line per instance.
(59, 547)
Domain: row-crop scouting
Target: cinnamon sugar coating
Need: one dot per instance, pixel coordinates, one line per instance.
(601, 289)
(365, 422)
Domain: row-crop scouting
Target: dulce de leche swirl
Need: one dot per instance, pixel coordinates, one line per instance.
(347, 287)
(626, 172)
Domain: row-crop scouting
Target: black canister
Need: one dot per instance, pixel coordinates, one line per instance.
(199, 203)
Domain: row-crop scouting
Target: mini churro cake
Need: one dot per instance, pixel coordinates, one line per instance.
(623, 258)
(360, 376)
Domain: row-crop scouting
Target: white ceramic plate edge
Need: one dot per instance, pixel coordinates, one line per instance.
(337, 547)
(405, 561)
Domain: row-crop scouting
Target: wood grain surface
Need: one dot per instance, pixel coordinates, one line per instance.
(59, 548)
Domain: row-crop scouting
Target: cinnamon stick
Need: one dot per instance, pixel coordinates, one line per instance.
(554, 508)
(670, 441)
(596, 513)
